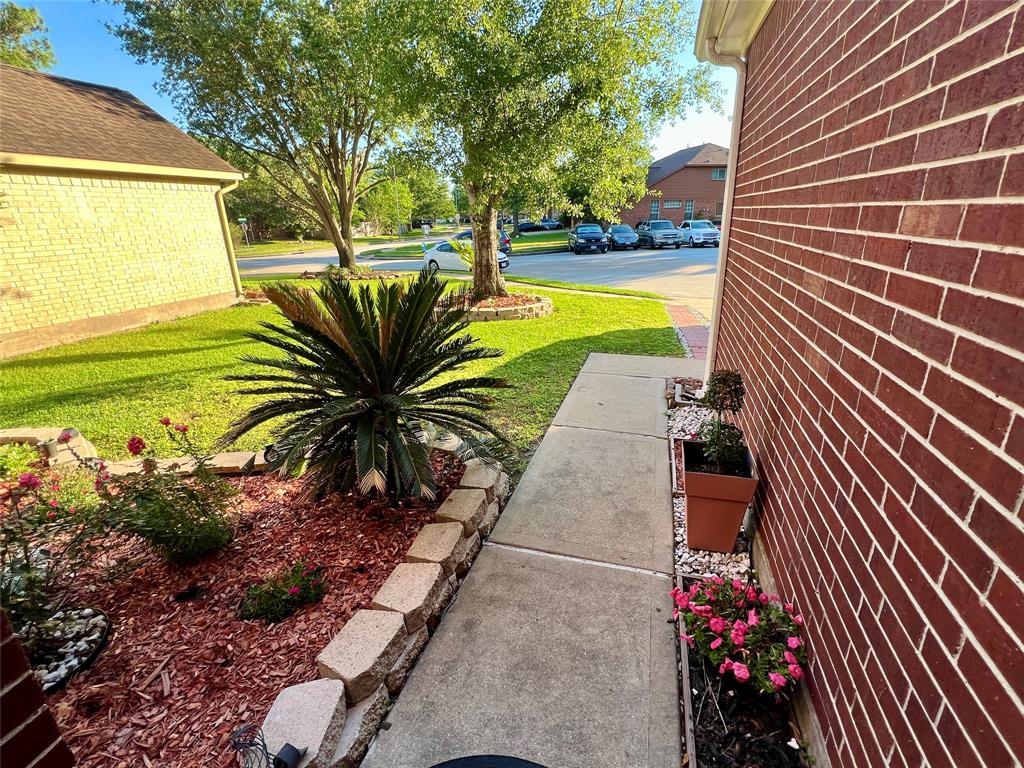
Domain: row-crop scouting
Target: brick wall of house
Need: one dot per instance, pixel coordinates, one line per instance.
(874, 300)
(689, 183)
(28, 732)
(78, 250)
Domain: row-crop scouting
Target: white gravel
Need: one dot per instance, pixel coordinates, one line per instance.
(685, 420)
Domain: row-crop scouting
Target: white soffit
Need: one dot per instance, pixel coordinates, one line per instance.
(731, 23)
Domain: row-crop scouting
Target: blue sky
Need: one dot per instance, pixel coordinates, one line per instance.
(86, 51)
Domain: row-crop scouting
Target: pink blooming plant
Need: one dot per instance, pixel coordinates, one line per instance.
(136, 445)
(743, 630)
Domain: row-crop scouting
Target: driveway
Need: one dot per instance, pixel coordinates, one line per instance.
(686, 276)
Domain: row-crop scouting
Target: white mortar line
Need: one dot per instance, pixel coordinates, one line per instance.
(579, 560)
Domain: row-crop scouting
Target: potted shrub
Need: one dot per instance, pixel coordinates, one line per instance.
(718, 472)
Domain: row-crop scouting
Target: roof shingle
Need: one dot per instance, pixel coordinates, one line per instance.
(709, 155)
(43, 114)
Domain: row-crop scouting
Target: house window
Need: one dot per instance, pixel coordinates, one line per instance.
(688, 213)
(673, 204)
(719, 207)
(718, 174)
(655, 208)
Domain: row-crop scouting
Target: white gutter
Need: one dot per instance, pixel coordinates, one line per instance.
(711, 54)
(225, 229)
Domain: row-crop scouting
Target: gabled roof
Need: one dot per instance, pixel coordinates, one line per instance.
(709, 155)
(52, 121)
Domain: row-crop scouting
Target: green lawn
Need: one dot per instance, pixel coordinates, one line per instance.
(275, 247)
(609, 289)
(115, 386)
(541, 242)
(396, 252)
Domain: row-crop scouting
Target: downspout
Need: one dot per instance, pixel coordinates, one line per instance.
(227, 186)
(740, 66)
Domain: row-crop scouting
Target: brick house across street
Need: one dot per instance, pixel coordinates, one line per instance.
(691, 183)
(871, 291)
(110, 216)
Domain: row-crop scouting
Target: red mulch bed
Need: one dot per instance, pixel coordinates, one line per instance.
(512, 300)
(178, 676)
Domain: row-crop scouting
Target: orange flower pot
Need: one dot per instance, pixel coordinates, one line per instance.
(715, 504)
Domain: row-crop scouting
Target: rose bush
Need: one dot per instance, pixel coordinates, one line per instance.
(744, 631)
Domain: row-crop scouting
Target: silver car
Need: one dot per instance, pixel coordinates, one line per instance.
(700, 232)
(658, 233)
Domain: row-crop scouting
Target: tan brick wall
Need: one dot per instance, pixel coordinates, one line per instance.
(78, 247)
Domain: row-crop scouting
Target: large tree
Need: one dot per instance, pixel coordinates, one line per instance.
(515, 85)
(302, 84)
(23, 41)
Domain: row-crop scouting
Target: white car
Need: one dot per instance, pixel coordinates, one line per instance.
(443, 256)
(699, 232)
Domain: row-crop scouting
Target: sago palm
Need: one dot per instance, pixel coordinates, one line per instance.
(355, 390)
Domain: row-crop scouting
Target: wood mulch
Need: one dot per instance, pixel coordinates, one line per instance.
(182, 671)
(512, 300)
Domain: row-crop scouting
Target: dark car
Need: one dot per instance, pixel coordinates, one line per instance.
(588, 237)
(526, 225)
(417, 223)
(658, 233)
(550, 224)
(622, 236)
(504, 241)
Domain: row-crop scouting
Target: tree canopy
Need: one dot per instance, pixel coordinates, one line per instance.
(299, 84)
(518, 88)
(23, 41)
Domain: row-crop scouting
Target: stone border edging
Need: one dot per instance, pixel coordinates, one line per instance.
(543, 307)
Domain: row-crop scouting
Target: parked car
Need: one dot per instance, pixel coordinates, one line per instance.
(588, 237)
(525, 225)
(658, 233)
(550, 224)
(417, 223)
(443, 256)
(700, 232)
(504, 241)
(622, 236)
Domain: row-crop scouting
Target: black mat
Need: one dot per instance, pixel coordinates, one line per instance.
(488, 761)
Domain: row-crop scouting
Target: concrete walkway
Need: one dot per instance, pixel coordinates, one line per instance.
(560, 647)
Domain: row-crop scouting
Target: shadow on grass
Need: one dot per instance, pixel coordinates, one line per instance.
(26, 364)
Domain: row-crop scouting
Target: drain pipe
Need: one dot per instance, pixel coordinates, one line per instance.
(737, 63)
(225, 187)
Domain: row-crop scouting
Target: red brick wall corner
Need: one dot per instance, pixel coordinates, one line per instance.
(28, 732)
(874, 301)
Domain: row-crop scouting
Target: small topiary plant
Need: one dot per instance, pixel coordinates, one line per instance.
(279, 596)
(723, 442)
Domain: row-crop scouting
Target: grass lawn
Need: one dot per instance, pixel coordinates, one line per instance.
(396, 252)
(610, 289)
(275, 247)
(112, 387)
(541, 242)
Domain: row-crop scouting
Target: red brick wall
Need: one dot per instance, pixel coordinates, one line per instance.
(685, 184)
(874, 300)
(28, 733)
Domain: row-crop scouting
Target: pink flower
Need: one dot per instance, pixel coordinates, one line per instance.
(166, 421)
(688, 639)
(136, 445)
(294, 590)
(752, 619)
(183, 428)
(739, 625)
(737, 584)
(763, 598)
(675, 614)
(738, 638)
(702, 610)
(54, 503)
(51, 515)
(777, 680)
(788, 607)
(741, 672)
(717, 624)
(794, 642)
(29, 480)
(795, 672)
(751, 593)
(65, 436)
(789, 657)
(682, 599)
(725, 666)
(798, 620)
(716, 642)
(718, 580)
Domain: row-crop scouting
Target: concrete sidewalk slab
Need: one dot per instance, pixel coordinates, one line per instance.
(639, 365)
(617, 403)
(569, 664)
(596, 495)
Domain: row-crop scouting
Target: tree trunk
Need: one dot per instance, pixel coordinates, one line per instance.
(342, 243)
(515, 221)
(487, 280)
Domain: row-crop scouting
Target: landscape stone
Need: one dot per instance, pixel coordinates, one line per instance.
(413, 590)
(447, 443)
(489, 519)
(465, 506)
(33, 436)
(310, 716)
(363, 652)
(413, 645)
(486, 476)
(232, 463)
(436, 543)
(360, 727)
(467, 550)
(448, 588)
(127, 467)
(260, 462)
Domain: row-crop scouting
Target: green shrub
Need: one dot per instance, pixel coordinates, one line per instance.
(16, 459)
(366, 373)
(723, 442)
(279, 596)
